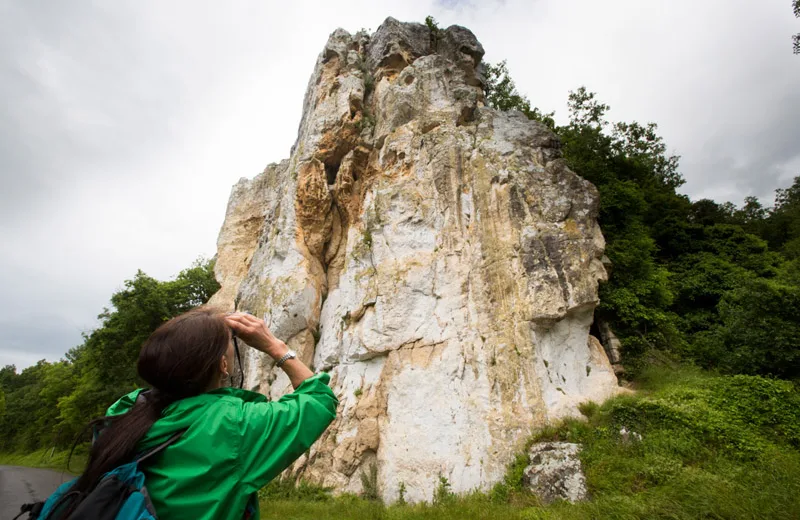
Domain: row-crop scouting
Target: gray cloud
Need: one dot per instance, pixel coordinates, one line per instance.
(753, 160)
(125, 124)
(78, 101)
(31, 342)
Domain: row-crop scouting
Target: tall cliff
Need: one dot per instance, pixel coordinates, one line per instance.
(437, 257)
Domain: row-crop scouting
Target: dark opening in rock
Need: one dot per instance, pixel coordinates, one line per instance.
(594, 330)
(467, 115)
(328, 55)
(331, 169)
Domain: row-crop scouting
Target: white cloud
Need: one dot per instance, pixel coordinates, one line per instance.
(127, 123)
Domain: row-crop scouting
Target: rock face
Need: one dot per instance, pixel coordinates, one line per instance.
(437, 257)
(555, 472)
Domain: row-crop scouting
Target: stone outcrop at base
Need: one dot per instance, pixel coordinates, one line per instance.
(555, 472)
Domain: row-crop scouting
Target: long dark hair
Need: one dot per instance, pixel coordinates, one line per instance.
(180, 359)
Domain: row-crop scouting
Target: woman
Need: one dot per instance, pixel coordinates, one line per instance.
(234, 442)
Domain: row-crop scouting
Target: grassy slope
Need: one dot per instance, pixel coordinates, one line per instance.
(45, 458)
(712, 447)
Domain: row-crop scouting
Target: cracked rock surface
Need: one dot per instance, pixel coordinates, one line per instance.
(555, 472)
(437, 257)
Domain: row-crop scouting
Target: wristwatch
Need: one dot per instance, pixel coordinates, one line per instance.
(289, 355)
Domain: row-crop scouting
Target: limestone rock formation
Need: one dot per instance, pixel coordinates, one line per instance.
(437, 257)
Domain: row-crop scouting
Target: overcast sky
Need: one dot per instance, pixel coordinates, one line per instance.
(124, 124)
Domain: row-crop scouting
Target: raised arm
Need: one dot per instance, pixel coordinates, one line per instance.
(275, 434)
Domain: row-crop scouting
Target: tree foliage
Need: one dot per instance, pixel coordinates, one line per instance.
(48, 404)
(796, 37)
(501, 93)
(683, 271)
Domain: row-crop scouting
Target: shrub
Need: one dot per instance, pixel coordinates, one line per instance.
(369, 483)
(401, 494)
(443, 494)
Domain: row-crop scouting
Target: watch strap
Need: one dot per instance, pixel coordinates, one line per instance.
(289, 355)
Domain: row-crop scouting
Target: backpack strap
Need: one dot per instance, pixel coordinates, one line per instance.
(33, 510)
(157, 449)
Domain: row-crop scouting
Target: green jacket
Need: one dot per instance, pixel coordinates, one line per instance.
(236, 442)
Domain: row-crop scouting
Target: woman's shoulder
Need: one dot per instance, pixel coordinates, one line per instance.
(226, 401)
(229, 394)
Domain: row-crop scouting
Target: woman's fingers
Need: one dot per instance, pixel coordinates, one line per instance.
(243, 319)
(235, 320)
(251, 329)
(241, 326)
(240, 316)
(249, 320)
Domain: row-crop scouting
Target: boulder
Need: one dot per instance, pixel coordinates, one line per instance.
(555, 472)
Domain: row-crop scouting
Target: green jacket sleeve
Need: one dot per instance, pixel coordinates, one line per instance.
(275, 434)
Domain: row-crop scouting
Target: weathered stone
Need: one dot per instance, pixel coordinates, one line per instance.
(437, 257)
(610, 342)
(395, 45)
(555, 472)
(251, 208)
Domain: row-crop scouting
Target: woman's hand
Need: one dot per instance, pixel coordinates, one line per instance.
(255, 333)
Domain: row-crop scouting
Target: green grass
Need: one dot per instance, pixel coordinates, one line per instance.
(711, 447)
(476, 506)
(46, 458)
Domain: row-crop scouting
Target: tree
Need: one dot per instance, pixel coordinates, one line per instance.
(759, 331)
(796, 37)
(50, 403)
(501, 93)
(752, 211)
(636, 180)
(643, 144)
(107, 360)
(782, 226)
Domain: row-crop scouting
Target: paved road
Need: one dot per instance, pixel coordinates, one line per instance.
(21, 485)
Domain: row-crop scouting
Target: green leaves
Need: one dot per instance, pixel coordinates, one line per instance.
(682, 271)
(679, 267)
(759, 331)
(586, 112)
(501, 94)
